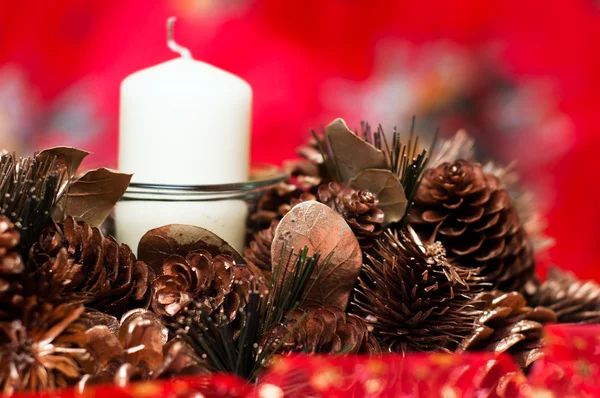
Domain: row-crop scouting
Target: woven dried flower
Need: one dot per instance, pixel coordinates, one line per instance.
(572, 300)
(323, 329)
(42, 351)
(359, 209)
(508, 325)
(471, 214)
(138, 351)
(203, 282)
(414, 299)
(73, 261)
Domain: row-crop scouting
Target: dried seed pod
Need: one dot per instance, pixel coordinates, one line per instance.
(323, 329)
(572, 300)
(508, 325)
(43, 350)
(414, 299)
(204, 282)
(138, 351)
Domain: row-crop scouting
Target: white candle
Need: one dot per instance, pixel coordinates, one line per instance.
(183, 122)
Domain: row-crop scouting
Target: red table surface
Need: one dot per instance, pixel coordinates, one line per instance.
(570, 368)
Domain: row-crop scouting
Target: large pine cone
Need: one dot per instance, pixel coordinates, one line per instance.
(269, 206)
(359, 209)
(572, 300)
(43, 350)
(75, 262)
(200, 282)
(138, 351)
(323, 329)
(414, 299)
(508, 325)
(471, 214)
(11, 268)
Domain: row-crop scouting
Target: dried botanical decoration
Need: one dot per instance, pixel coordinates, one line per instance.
(414, 299)
(42, 350)
(572, 300)
(468, 211)
(323, 329)
(320, 229)
(508, 325)
(258, 252)
(29, 189)
(347, 154)
(159, 243)
(241, 347)
(525, 203)
(11, 269)
(138, 351)
(75, 262)
(273, 205)
(359, 209)
(201, 282)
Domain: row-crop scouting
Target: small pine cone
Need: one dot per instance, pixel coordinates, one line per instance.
(323, 329)
(471, 214)
(414, 299)
(200, 282)
(11, 268)
(359, 209)
(508, 325)
(43, 350)
(572, 300)
(258, 252)
(268, 206)
(137, 351)
(75, 262)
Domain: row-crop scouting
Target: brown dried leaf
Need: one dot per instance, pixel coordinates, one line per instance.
(389, 191)
(352, 154)
(92, 197)
(159, 243)
(66, 157)
(321, 229)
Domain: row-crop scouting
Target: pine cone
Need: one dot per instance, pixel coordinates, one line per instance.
(137, 352)
(359, 209)
(324, 329)
(572, 300)
(43, 350)
(11, 268)
(201, 282)
(471, 214)
(508, 325)
(258, 252)
(268, 207)
(414, 299)
(73, 261)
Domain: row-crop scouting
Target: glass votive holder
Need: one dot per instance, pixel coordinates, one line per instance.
(222, 209)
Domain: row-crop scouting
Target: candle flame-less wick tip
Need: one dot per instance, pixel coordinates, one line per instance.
(172, 44)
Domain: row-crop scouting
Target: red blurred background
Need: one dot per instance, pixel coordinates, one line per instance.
(521, 76)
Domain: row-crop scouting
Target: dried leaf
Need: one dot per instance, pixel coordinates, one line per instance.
(66, 157)
(318, 227)
(159, 243)
(92, 197)
(389, 191)
(352, 154)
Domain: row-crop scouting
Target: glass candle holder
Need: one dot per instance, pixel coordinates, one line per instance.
(222, 209)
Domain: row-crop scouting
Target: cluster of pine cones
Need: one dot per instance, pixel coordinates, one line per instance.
(454, 273)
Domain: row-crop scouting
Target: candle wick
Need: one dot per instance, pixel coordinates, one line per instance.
(172, 44)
